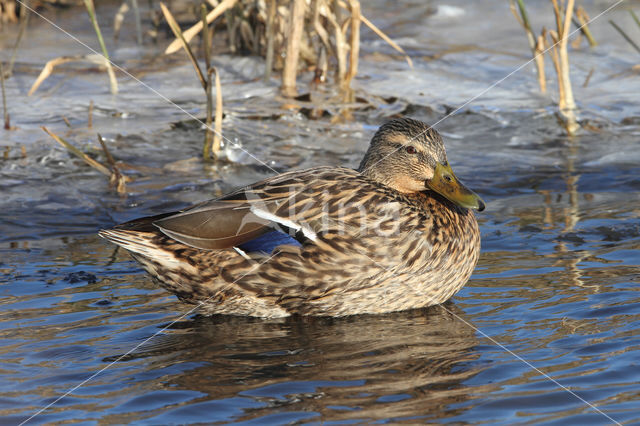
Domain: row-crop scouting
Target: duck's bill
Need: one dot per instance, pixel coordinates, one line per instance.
(445, 183)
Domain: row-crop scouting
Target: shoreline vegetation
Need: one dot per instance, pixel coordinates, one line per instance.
(295, 37)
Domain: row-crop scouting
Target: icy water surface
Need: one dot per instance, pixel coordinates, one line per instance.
(546, 330)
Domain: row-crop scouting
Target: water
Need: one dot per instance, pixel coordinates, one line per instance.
(546, 330)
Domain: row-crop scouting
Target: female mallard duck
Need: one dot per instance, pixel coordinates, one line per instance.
(395, 234)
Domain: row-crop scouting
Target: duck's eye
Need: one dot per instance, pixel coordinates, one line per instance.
(410, 150)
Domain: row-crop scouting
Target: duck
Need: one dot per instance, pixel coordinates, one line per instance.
(397, 233)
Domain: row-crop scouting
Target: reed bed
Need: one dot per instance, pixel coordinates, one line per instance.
(313, 35)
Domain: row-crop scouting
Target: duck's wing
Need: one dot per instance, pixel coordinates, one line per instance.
(246, 214)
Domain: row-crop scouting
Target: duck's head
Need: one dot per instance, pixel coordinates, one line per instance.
(409, 156)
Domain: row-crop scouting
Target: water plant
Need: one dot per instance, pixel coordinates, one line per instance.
(558, 52)
(102, 60)
(624, 34)
(116, 179)
(212, 139)
(91, 10)
(294, 35)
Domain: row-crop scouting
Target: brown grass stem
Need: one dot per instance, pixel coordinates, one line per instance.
(566, 103)
(7, 119)
(354, 49)
(185, 44)
(217, 136)
(92, 16)
(188, 34)
(206, 46)
(535, 43)
(270, 33)
(581, 21)
(90, 161)
(290, 70)
(90, 120)
(116, 178)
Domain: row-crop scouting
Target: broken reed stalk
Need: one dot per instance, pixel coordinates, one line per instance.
(7, 119)
(535, 43)
(92, 15)
(116, 178)
(558, 53)
(206, 45)
(119, 19)
(218, 10)
(566, 102)
(211, 145)
(180, 36)
(340, 43)
(217, 136)
(354, 49)
(290, 70)
(50, 65)
(329, 23)
(90, 161)
(581, 21)
(270, 30)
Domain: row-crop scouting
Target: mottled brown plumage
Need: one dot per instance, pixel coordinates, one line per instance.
(396, 234)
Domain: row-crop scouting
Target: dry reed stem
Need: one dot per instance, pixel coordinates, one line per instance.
(211, 144)
(90, 120)
(271, 16)
(386, 38)
(555, 58)
(116, 179)
(567, 102)
(7, 120)
(290, 70)
(583, 20)
(206, 46)
(340, 43)
(185, 44)
(539, 59)
(217, 136)
(191, 32)
(320, 30)
(560, 57)
(588, 78)
(92, 16)
(354, 6)
(535, 43)
(90, 161)
(119, 18)
(50, 65)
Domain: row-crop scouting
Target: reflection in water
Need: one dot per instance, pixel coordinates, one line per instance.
(366, 367)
